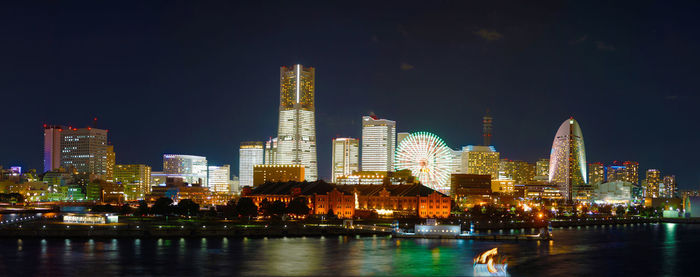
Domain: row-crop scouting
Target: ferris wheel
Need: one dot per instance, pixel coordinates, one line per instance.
(427, 157)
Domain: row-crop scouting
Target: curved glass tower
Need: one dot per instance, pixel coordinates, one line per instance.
(296, 136)
(567, 161)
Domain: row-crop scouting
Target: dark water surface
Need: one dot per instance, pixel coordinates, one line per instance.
(633, 250)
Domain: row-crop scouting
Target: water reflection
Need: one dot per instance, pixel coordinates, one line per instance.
(654, 249)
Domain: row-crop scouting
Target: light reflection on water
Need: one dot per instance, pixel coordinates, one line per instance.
(644, 250)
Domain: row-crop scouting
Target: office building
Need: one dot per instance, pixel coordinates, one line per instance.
(111, 162)
(264, 173)
(346, 152)
(85, 151)
(378, 144)
(670, 186)
(271, 151)
(219, 178)
(542, 169)
(136, 179)
(192, 169)
(567, 162)
(296, 136)
(520, 172)
(251, 154)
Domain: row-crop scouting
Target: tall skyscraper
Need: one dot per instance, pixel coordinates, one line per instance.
(192, 169)
(52, 147)
(111, 161)
(481, 160)
(488, 128)
(296, 136)
(85, 150)
(346, 152)
(670, 186)
(631, 172)
(219, 178)
(596, 173)
(251, 154)
(567, 161)
(652, 182)
(627, 172)
(378, 144)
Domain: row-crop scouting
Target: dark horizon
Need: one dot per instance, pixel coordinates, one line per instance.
(200, 78)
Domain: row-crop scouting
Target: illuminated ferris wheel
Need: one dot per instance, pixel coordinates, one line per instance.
(427, 157)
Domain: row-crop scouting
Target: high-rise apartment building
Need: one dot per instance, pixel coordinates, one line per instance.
(111, 162)
(670, 186)
(219, 178)
(378, 144)
(567, 161)
(52, 147)
(346, 152)
(136, 179)
(296, 136)
(481, 160)
(251, 154)
(596, 173)
(85, 150)
(631, 172)
(519, 171)
(192, 169)
(627, 172)
(652, 182)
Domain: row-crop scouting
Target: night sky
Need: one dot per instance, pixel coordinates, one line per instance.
(196, 78)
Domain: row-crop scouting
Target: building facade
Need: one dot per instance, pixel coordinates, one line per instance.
(481, 160)
(567, 161)
(271, 151)
(296, 136)
(378, 144)
(219, 178)
(85, 151)
(596, 173)
(111, 162)
(52, 147)
(652, 182)
(264, 173)
(136, 179)
(192, 169)
(251, 154)
(346, 157)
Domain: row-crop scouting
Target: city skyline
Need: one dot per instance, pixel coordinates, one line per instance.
(393, 86)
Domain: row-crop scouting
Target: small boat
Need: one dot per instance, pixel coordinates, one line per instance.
(489, 263)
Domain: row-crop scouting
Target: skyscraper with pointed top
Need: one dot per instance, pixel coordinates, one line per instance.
(567, 161)
(296, 135)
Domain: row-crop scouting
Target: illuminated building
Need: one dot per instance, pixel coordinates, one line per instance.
(470, 188)
(596, 173)
(219, 178)
(503, 186)
(271, 151)
(111, 161)
(481, 160)
(541, 190)
(428, 158)
(518, 171)
(670, 186)
(158, 178)
(616, 192)
(627, 172)
(264, 173)
(251, 154)
(345, 157)
(651, 183)
(567, 161)
(400, 136)
(488, 129)
(378, 144)
(398, 177)
(192, 169)
(52, 147)
(348, 202)
(85, 150)
(136, 179)
(542, 169)
(296, 136)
